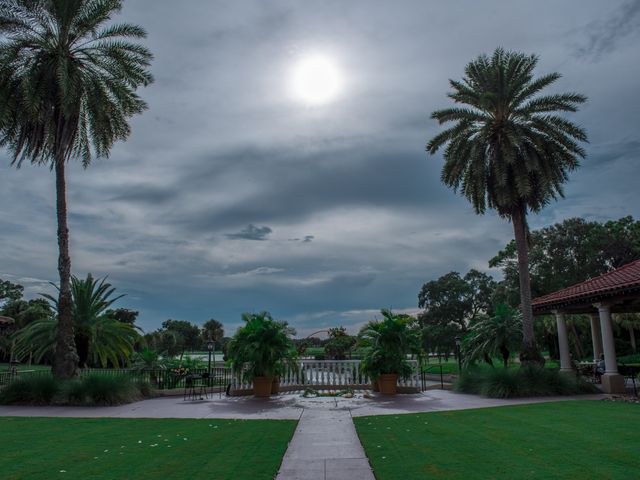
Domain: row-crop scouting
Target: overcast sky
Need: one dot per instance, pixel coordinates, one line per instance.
(233, 196)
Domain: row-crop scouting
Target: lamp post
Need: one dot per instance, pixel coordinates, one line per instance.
(210, 346)
(458, 341)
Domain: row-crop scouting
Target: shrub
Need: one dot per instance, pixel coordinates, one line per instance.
(30, 390)
(144, 388)
(528, 381)
(101, 390)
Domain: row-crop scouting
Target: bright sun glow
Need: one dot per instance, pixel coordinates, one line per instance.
(316, 80)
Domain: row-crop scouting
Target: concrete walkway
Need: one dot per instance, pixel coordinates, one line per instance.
(325, 446)
(283, 406)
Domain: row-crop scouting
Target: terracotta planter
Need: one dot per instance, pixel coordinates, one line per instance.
(262, 386)
(275, 385)
(375, 386)
(388, 383)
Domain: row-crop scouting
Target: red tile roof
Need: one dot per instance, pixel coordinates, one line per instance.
(623, 278)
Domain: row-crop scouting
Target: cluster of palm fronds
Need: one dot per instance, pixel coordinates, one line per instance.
(100, 339)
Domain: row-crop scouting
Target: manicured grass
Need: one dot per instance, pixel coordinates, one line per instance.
(560, 440)
(4, 367)
(75, 448)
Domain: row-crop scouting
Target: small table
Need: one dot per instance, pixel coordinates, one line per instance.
(195, 386)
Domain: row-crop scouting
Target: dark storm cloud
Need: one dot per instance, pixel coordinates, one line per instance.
(604, 35)
(251, 232)
(230, 196)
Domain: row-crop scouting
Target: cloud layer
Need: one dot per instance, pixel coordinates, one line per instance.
(230, 196)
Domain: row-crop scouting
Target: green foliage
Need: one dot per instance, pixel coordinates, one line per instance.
(30, 390)
(95, 389)
(339, 343)
(123, 315)
(526, 381)
(390, 341)
(182, 334)
(99, 339)
(626, 359)
(570, 252)
(67, 81)
(10, 292)
(450, 303)
(100, 390)
(261, 347)
(212, 330)
(491, 336)
(508, 147)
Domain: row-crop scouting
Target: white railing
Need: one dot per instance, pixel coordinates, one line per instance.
(332, 374)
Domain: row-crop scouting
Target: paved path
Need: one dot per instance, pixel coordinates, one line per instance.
(284, 406)
(325, 446)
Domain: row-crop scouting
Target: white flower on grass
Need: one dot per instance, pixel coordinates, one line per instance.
(185, 438)
(63, 471)
(139, 441)
(106, 450)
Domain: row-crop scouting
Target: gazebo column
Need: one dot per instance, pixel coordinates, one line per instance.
(612, 381)
(596, 336)
(563, 342)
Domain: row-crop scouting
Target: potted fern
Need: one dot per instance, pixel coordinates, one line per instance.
(259, 350)
(389, 342)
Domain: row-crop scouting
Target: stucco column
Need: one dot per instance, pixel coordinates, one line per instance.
(612, 381)
(563, 342)
(596, 336)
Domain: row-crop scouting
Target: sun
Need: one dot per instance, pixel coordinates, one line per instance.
(316, 80)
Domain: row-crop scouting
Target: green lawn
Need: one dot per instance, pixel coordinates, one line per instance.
(4, 367)
(560, 440)
(75, 448)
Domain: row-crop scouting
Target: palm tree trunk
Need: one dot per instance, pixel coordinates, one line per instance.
(65, 360)
(529, 352)
(632, 338)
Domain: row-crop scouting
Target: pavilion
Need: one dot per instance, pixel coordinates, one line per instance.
(617, 291)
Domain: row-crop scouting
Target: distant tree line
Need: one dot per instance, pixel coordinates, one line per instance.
(560, 255)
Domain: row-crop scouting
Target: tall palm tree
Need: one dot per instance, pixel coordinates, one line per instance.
(100, 339)
(67, 88)
(509, 150)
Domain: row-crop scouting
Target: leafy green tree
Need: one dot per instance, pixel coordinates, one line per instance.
(339, 344)
(498, 334)
(451, 302)
(186, 334)
(24, 313)
(99, 339)
(123, 315)
(10, 292)
(571, 252)
(68, 86)
(509, 150)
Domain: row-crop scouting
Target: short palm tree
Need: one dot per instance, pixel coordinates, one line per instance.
(494, 335)
(100, 340)
(67, 89)
(509, 150)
